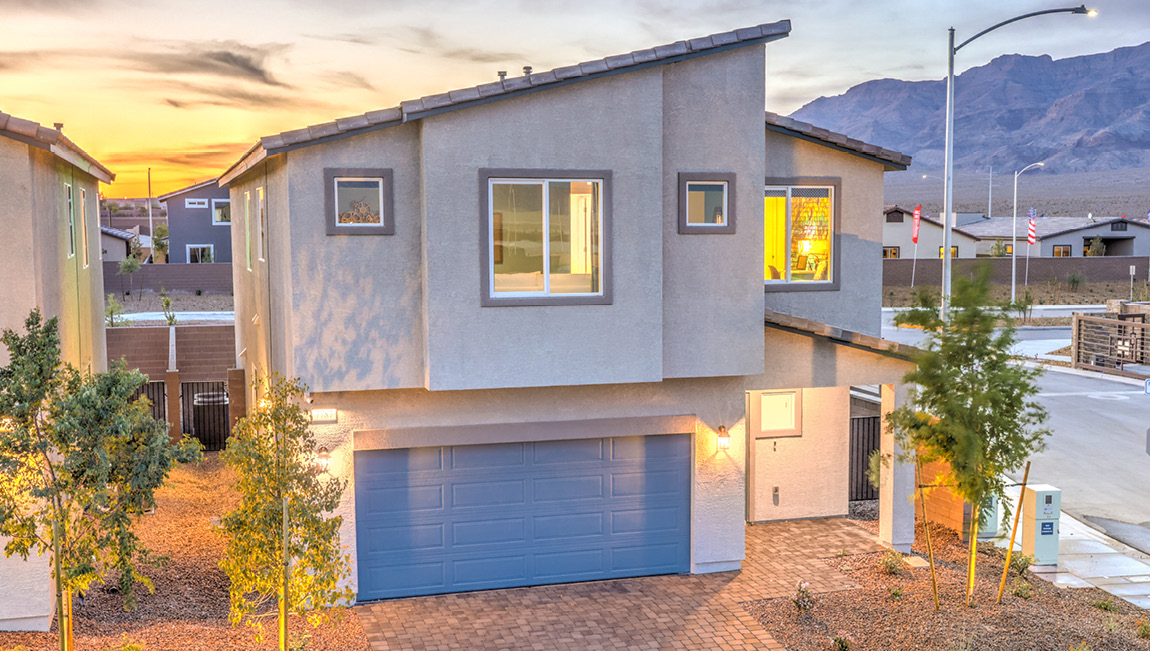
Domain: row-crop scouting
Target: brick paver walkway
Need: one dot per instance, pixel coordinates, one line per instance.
(659, 612)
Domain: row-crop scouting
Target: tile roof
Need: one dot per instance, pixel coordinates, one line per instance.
(788, 323)
(197, 186)
(791, 126)
(1045, 226)
(117, 233)
(31, 133)
(505, 89)
(930, 220)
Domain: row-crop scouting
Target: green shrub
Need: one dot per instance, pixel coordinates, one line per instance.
(803, 599)
(1021, 563)
(841, 642)
(1143, 629)
(1021, 589)
(113, 311)
(1075, 280)
(891, 563)
(895, 594)
(1106, 604)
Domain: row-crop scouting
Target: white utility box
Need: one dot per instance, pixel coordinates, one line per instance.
(1041, 505)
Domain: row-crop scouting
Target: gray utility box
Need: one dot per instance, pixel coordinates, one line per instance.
(1041, 506)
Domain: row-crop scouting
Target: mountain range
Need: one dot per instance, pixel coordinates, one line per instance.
(1081, 114)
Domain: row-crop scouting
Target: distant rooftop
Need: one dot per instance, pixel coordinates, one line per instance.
(790, 126)
(52, 140)
(506, 89)
(197, 186)
(999, 227)
(930, 220)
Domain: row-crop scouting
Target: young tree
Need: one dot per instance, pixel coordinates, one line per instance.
(973, 405)
(128, 266)
(1097, 247)
(160, 243)
(285, 502)
(80, 460)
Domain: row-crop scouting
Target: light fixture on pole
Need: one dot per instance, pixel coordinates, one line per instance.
(948, 180)
(1014, 230)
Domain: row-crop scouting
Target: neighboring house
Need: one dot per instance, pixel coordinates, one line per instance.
(129, 214)
(1065, 237)
(539, 320)
(50, 259)
(115, 244)
(897, 240)
(199, 223)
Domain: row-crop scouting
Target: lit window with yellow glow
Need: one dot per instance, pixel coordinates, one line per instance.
(798, 234)
(545, 237)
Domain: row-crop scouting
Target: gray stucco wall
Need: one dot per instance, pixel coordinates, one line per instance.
(1138, 243)
(856, 304)
(712, 284)
(929, 239)
(612, 124)
(194, 225)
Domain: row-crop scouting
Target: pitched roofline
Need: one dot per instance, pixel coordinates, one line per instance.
(931, 220)
(165, 197)
(889, 159)
(55, 142)
(839, 336)
(505, 89)
(1095, 224)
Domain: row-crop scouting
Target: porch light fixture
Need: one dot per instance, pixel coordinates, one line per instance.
(7, 425)
(322, 460)
(723, 438)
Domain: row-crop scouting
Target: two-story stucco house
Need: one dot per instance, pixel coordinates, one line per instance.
(581, 324)
(50, 259)
(199, 223)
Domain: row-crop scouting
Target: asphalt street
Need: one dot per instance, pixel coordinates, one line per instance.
(1097, 453)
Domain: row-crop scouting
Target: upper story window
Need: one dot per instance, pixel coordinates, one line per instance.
(248, 227)
(1118, 226)
(71, 221)
(359, 201)
(706, 202)
(800, 232)
(195, 203)
(894, 217)
(222, 212)
(546, 237)
(261, 210)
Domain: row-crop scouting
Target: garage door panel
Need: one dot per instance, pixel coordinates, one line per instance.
(402, 462)
(567, 489)
(519, 515)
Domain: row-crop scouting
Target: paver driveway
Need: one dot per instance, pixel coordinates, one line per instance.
(658, 612)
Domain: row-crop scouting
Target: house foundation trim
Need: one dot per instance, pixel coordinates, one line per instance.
(413, 437)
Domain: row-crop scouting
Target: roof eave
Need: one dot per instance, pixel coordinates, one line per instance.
(254, 156)
(888, 166)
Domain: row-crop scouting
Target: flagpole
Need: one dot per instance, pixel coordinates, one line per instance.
(913, 264)
(1026, 282)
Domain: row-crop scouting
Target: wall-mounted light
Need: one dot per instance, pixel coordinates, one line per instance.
(723, 438)
(322, 460)
(7, 425)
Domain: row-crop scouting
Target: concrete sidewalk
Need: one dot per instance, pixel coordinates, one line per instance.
(1088, 558)
(221, 317)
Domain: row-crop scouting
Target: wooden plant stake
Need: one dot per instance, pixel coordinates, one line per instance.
(926, 528)
(1013, 531)
(975, 518)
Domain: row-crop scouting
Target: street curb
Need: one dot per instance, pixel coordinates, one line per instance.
(1081, 373)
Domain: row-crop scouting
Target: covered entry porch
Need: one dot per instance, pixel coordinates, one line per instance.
(798, 425)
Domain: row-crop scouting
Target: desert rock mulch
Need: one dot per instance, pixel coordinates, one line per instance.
(873, 618)
(189, 608)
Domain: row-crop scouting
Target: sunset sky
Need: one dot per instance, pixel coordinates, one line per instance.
(186, 87)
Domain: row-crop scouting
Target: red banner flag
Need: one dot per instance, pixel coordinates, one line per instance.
(1031, 232)
(914, 228)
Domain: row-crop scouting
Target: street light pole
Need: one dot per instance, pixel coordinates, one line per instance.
(1014, 230)
(951, 50)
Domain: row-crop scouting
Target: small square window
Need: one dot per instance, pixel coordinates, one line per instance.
(1118, 226)
(776, 414)
(1062, 250)
(706, 202)
(890, 253)
(222, 212)
(358, 201)
(953, 251)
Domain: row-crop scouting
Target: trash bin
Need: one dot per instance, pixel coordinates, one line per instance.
(209, 414)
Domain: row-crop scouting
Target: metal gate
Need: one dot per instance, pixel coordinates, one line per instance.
(157, 393)
(204, 412)
(865, 433)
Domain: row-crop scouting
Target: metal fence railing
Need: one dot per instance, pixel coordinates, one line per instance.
(205, 412)
(156, 392)
(1116, 344)
(865, 433)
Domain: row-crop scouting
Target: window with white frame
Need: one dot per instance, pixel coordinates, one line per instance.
(71, 221)
(222, 212)
(799, 234)
(248, 226)
(706, 202)
(261, 210)
(890, 252)
(1062, 250)
(195, 203)
(201, 253)
(545, 237)
(84, 225)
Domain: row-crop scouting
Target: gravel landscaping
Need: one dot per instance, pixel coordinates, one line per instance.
(189, 609)
(181, 302)
(897, 611)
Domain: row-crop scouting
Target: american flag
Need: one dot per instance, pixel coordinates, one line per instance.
(1031, 229)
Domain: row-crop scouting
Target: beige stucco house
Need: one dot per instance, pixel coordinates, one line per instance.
(898, 237)
(581, 324)
(49, 258)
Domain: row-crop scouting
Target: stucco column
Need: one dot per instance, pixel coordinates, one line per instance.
(896, 485)
(172, 385)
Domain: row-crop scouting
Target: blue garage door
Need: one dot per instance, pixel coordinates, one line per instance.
(474, 517)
